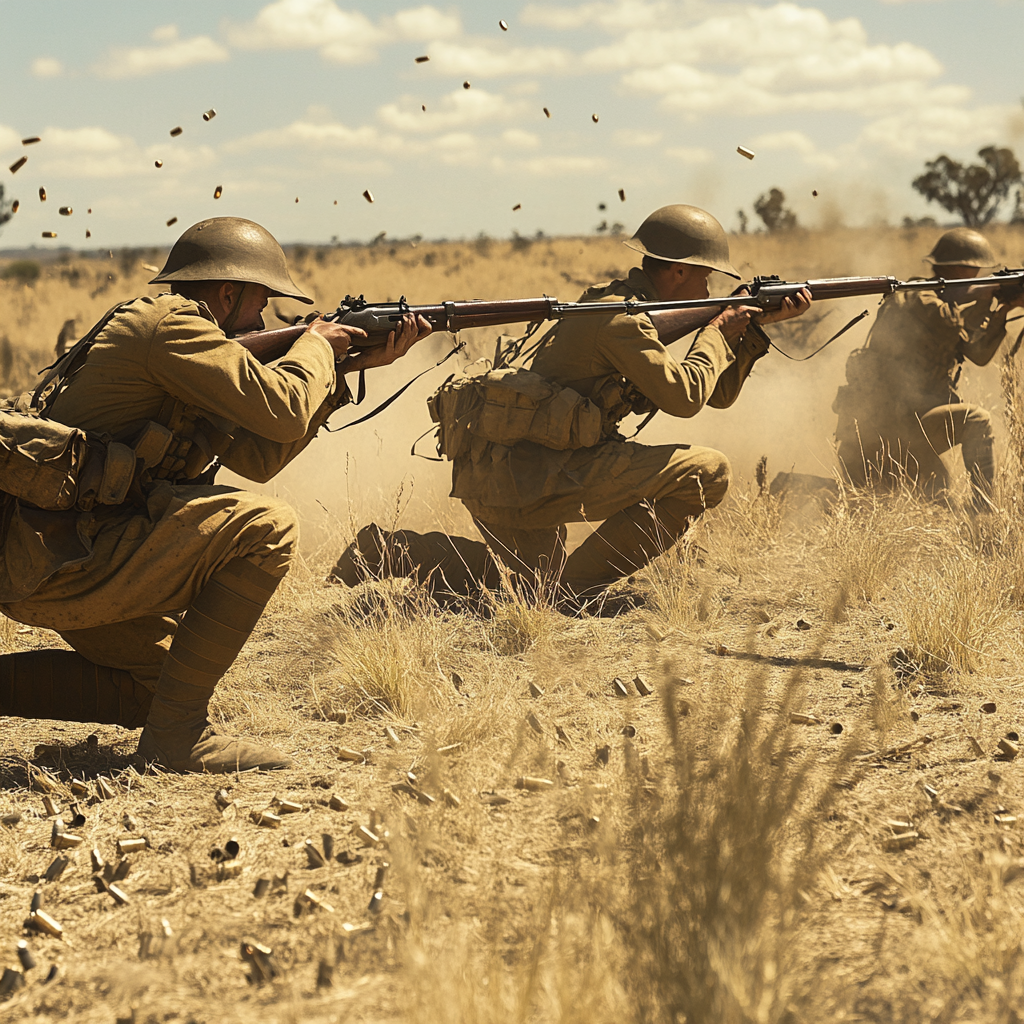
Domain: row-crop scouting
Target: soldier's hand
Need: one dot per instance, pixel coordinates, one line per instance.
(338, 336)
(1015, 303)
(399, 342)
(733, 322)
(790, 308)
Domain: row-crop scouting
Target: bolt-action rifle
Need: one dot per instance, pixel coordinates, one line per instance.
(673, 319)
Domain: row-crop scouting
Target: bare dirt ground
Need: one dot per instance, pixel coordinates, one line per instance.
(810, 818)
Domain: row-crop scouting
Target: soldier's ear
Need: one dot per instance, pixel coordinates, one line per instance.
(229, 293)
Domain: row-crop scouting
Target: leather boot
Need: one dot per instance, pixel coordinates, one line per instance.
(178, 736)
(65, 687)
(438, 561)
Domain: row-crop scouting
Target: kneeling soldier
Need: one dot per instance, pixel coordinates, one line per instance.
(160, 379)
(899, 411)
(521, 493)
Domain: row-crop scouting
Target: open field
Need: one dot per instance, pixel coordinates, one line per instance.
(824, 679)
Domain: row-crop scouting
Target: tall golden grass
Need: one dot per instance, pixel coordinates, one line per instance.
(720, 851)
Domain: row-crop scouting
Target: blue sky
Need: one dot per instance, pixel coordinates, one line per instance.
(320, 100)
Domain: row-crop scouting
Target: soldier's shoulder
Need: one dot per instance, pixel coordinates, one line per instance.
(152, 313)
(634, 286)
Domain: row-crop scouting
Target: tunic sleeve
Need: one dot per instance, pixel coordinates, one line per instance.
(192, 360)
(679, 388)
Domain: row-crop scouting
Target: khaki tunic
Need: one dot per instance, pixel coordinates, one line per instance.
(900, 405)
(919, 339)
(619, 363)
(165, 359)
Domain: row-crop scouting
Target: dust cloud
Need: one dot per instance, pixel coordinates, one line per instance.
(367, 473)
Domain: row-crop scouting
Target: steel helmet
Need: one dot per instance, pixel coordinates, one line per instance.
(684, 234)
(230, 249)
(962, 247)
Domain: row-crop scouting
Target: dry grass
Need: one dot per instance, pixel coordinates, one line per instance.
(698, 857)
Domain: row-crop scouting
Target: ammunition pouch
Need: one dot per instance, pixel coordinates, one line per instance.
(55, 467)
(184, 446)
(509, 406)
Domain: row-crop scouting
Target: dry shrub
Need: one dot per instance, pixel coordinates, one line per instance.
(385, 644)
(716, 857)
(865, 545)
(682, 591)
(720, 872)
(964, 960)
(522, 615)
(746, 529)
(954, 616)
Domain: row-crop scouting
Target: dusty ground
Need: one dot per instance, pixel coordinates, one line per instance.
(725, 864)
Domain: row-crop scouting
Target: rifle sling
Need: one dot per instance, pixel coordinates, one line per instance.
(459, 346)
(821, 348)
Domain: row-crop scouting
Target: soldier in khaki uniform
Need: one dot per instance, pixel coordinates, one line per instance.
(162, 377)
(899, 411)
(521, 495)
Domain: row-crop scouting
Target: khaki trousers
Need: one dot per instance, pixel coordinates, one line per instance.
(120, 608)
(915, 454)
(646, 494)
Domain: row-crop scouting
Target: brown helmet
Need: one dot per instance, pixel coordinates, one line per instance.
(230, 249)
(962, 247)
(684, 234)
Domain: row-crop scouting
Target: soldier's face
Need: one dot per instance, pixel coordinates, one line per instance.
(253, 301)
(681, 281)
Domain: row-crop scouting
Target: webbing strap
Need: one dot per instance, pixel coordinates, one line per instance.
(803, 359)
(459, 346)
(76, 355)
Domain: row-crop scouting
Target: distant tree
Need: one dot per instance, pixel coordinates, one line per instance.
(6, 209)
(770, 207)
(974, 192)
(744, 220)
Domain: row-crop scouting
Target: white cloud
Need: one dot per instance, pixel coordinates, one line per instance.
(47, 67)
(931, 128)
(799, 143)
(423, 23)
(560, 166)
(170, 54)
(344, 37)
(616, 16)
(95, 152)
(314, 134)
(458, 108)
(786, 39)
(690, 154)
(634, 137)
(10, 141)
(483, 59)
(347, 37)
(516, 138)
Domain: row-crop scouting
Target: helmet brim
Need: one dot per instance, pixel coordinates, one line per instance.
(722, 266)
(980, 264)
(275, 293)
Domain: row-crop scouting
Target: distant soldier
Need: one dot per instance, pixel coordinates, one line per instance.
(899, 410)
(65, 337)
(138, 533)
(522, 493)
